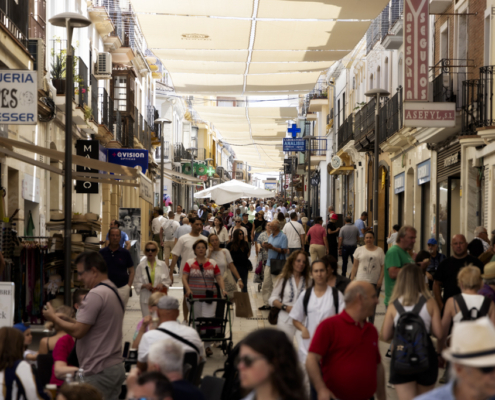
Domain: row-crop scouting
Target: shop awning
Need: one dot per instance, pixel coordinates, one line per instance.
(121, 171)
(341, 170)
(174, 174)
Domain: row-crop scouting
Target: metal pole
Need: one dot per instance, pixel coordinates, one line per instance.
(162, 163)
(309, 179)
(375, 169)
(69, 91)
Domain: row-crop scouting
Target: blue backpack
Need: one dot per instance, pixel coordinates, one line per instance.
(411, 341)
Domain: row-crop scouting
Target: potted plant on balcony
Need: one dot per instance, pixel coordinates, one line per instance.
(58, 74)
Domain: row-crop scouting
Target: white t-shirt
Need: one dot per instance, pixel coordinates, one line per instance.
(156, 224)
(169, 227)
(223, 236)
(222, 258)
(184, 248)
(153, 336)
(293, 230)
(370, 264)
(177, 216)
(319, 308)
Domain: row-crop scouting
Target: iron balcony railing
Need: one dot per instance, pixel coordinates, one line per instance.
(478, 102)
(8, 24)
(345, 132)
(94, 99)
(364, 120)
(391, 117)
(180, 153)
(129, 133)
(105, 109)
(318, 147)
(118, 127)
(448, 75)
(82, 83)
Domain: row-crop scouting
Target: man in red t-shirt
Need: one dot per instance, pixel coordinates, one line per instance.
(345, 347)
(318, 245)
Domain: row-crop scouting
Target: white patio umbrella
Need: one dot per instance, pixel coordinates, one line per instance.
(232, 190)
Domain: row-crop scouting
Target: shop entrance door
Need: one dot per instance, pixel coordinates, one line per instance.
(425, 215)
(449, 201)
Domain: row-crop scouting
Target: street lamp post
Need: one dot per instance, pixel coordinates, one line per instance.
(162, 122)
(309, 138)
(377, 93)
(70, 21)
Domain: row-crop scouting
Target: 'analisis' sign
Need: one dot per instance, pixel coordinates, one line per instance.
(18, 97)
(416, 49)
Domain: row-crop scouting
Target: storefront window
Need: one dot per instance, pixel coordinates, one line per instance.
(443, 215)
(449, 202)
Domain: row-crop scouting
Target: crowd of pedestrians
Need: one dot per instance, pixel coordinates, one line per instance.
(324, 343)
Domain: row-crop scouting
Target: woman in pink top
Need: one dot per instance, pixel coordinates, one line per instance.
(60, 355)
(318, 245)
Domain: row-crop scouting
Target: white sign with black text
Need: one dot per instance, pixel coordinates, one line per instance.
(18, 97)
(7, 303)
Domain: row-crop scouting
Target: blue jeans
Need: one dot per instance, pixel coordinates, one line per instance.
(346, 252)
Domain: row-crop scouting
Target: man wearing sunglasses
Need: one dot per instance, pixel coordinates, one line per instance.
(472, 355)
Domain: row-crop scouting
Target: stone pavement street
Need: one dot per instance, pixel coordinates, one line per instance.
(241, 326)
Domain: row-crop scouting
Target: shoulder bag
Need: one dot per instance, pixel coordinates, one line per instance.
(277, 264)
(298, 235)
(164, 289)
(179, 338)
(274, 311)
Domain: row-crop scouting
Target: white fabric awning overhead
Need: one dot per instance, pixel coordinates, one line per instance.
(231, 191)
(252, 47)
(256, 133)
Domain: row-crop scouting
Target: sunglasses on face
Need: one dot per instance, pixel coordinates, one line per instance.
(248, 361)
(487, 370)
(150, 250)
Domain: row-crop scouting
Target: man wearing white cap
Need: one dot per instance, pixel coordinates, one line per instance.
(169, 328)
(472, 358)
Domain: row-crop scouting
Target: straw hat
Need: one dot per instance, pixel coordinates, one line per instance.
(92, 239)
(489, 271)
(79, 217)
(57, 216)
(472, 344)
(92, 216)
(76, 238)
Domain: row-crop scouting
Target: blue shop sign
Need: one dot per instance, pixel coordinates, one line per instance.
(424, 172)
(129, 158)
(399, 183)
(290, 144)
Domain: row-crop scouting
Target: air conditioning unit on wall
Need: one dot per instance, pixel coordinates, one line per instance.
(103, 68)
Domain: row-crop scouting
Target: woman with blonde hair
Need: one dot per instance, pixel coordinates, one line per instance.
(47, 344)
(294, 279)
(411, 295)
(468, 304)
(152, 275)
(150, 321)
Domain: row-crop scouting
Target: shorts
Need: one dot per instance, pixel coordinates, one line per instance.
(427, 378)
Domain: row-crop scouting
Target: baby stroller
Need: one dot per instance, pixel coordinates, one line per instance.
(214, 329)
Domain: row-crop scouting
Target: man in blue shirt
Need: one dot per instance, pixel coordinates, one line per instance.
(277, 246)
(362, 227)
(259, 207)
(119, 264)
(125, 243)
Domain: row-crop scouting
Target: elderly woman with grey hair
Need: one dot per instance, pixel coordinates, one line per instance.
(488, 289)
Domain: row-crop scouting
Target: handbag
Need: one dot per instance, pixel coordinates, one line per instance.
(277, 265)
(274, 311)
(164, 289)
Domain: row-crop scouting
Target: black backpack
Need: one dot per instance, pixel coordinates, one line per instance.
(473, 313)
(307, 295)
(411, 341)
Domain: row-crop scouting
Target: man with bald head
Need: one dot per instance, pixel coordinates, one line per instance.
(446, 273)
(347, 346)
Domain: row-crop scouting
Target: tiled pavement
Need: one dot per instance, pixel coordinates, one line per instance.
(240, 326)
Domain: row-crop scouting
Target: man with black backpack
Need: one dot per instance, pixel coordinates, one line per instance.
(344, 347)
(313, 306)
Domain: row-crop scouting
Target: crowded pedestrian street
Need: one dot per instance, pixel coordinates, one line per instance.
(247, 200)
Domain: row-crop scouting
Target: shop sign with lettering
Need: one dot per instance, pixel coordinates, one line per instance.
(429, 115)
(7, 304)
(451, 160)
(424, 172)
(416, 18)
(88, 149)
(399, 183)
(18, 97)
(145, 188)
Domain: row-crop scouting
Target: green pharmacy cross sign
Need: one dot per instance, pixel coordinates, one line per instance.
(210, 171)
(199, 169)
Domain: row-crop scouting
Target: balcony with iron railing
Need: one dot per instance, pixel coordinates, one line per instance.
(118, 128)
(447, 84)
(37, 20)
(345, 132)
(391, 120)
(8, 23)
(478, 103)
(180, 153)
(105, 108)
(393, 38)
(364, 123)
(81, 86)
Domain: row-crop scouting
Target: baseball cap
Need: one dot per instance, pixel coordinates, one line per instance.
(168, 303)
(432, 241)
(21, 327)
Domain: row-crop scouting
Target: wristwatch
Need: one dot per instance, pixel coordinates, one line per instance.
(284, 307)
